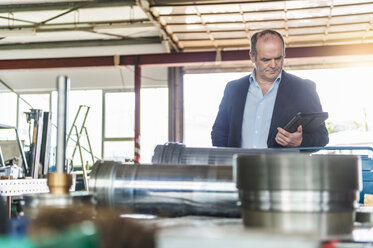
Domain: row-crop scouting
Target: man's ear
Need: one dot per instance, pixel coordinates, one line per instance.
(252, 57)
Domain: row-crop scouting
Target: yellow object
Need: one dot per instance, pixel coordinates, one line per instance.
(368, 200)
(59, 183)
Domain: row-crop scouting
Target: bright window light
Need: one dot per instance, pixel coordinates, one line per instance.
(346, 93)
(202, 96)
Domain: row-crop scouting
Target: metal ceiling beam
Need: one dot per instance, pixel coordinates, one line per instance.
(82, 43)
(61, 5)
(274, 19)
(249, 12)
(305, 35)
(81, 26)
(180, 59)
(181, 3)
(166, 36)
(64, 13)
(168, 3)
(258, 29)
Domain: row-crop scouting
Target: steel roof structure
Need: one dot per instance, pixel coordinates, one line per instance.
(182, 25)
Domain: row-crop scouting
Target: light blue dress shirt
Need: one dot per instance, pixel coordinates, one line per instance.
(257, 115)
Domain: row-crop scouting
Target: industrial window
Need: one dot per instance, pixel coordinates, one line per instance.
(8, 116)
(119, 125)
(119, 114)
(118, 122)
(202, 96)
(154, 121)
(345, 93)
(86, 98)
(8, 108)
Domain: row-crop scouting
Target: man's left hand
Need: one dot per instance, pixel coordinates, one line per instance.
(287, 139)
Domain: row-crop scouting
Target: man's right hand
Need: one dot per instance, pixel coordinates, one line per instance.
(287, 139)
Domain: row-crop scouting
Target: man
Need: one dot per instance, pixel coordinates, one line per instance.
(255, 107)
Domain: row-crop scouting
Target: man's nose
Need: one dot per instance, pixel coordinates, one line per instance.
(272, 63)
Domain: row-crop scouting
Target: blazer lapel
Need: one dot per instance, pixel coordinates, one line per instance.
(282, 99)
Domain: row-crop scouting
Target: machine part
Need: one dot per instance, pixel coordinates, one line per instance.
(11, 172)
(45, 142)
(35, 203)
(35, 118)
(166, 189)
(3, 217)
(2, 162)
(13, 187)
(176, 153)
(364, 215)
(222, 236)
(59, 183)
(298, 192)
(25, 165)
(63, 87)
(16, 187)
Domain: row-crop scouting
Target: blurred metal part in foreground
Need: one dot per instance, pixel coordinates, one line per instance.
(35, 204)
(299, 193)
(177, 153)
(364, 215)
(166, 189)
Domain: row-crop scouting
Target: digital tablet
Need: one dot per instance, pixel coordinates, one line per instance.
(309, 121)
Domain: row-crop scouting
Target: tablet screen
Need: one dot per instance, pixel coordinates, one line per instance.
(309, 121)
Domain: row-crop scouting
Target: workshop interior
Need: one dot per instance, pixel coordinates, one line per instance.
(106, 112)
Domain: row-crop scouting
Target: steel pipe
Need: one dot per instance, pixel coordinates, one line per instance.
(63, 88)
(166, 189)
(298, 192)
(176, 153)
(290, 192)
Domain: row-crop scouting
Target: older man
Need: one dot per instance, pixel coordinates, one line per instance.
(255, 107)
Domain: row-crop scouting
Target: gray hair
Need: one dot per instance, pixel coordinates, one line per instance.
(258, 35)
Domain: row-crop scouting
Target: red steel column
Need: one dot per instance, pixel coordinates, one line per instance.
(137, 112)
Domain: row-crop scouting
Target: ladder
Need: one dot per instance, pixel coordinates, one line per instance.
(79, 130)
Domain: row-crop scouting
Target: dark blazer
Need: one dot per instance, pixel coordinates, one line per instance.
(294, 95)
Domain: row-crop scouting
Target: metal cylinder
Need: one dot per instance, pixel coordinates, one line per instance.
(166, 189)
(63, 88)
(298, 192)
(176, 153)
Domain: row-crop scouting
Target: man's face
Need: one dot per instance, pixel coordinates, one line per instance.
(269, 58)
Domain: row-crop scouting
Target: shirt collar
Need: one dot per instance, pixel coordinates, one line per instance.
(253, 80)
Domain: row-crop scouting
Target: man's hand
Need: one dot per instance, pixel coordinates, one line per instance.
(287, 139)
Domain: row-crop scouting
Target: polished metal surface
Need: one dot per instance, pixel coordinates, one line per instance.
(317, 223)
(36, 203)
(176, 153)
(299, 192)
(63, 87)
(364, 215)
(299, 200)
(166, 189)
(298, 172)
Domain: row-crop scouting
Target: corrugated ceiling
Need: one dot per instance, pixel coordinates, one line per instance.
(46, 24)
(184, 25)
(80, 28)
(206, 25)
